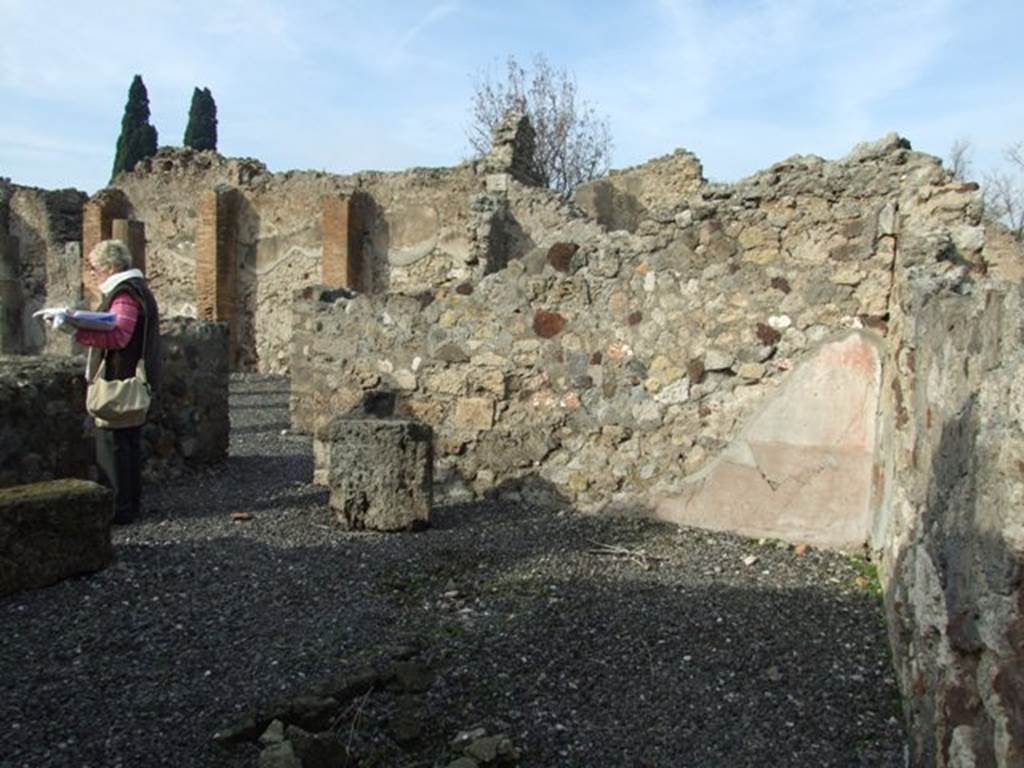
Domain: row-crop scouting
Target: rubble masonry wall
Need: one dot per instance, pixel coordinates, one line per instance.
(951, 522)
(613, 364)
(47, 261)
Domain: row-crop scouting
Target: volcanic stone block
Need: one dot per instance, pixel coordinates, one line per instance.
(52, 530)
(560, 255)
(547, 324)
(380, 472)
(42, 407)
(476, 413)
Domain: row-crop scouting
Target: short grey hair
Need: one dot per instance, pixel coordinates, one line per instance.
(112, 255)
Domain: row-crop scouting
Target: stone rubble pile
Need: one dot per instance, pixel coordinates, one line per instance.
(363, 714)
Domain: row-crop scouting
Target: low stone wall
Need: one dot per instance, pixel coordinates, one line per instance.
(951, 524)
(189, 424)
(52, 530)
(45, 433)
(42, 420)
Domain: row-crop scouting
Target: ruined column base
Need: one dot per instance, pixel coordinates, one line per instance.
(379, 472)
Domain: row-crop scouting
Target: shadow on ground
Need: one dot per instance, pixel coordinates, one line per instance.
(673, 652)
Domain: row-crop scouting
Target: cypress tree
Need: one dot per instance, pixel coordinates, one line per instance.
(201, 132)
(138, 138)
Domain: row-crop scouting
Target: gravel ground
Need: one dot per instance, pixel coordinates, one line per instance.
(688, 653)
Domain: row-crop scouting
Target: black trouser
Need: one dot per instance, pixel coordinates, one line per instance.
(119, 458)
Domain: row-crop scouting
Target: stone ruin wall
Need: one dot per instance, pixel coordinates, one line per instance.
(624, 198)
(41, 235)
(420, 231)
(611, 365)
(951, 525)
(607, 369)
(40, 264)
(604, 351)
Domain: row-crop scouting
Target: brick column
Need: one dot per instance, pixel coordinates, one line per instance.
(95, 228)
(132, 234)
(11, 336)
(217, 262)
(98, 217)
(343, 262)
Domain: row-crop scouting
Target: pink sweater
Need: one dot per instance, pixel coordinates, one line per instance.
(127, 311)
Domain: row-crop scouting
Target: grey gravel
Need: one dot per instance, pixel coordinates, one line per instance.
(685, 656)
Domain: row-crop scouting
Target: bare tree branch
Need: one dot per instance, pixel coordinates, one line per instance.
(1004, 200)
(1003, 191)
(959, 160)
(573, 142)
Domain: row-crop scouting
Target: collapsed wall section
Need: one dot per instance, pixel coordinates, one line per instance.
(624, 198)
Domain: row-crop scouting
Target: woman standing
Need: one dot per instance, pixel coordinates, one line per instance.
(134, 336)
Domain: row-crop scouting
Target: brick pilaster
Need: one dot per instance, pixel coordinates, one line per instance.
(98, 216)
(217, 262)
(95, 228)
(343, 264)
(132, 234)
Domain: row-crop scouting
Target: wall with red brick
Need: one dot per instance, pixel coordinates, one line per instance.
(216, 276)
(98, 216)
(132, 234)
(341, 264)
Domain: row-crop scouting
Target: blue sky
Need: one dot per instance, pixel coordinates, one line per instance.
(352, 85)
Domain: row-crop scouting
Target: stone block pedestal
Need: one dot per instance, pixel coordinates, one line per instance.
(52, 530)
(379, 472)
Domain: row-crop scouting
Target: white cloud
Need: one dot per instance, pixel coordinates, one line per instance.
(434, 15)
(732, 80)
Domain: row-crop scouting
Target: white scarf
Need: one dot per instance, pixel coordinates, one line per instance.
(117, 278)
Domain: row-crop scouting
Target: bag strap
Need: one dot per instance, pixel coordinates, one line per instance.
(140, 367)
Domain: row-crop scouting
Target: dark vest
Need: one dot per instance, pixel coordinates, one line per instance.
(121, 363)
